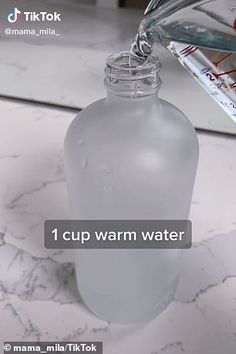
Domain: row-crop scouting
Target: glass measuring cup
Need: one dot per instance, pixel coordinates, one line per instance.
(201, 34)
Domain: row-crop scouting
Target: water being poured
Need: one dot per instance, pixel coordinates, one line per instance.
(201, 34)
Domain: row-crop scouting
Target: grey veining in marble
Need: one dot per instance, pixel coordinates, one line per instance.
(38, 295)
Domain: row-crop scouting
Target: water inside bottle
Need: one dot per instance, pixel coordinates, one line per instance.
(202, 36)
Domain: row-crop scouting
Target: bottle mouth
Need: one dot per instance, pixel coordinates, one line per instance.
(131, 65)
(126, 73)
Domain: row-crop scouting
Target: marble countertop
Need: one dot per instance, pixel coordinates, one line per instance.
(38, 296)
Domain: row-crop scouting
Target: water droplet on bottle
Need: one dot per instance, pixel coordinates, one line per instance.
(84, 163)
(107, 188)
(80, 140)
(105, 169)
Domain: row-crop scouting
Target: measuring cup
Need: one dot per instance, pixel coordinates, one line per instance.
(201, 34)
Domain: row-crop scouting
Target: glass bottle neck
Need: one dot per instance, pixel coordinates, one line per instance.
(132, 77)
(148, 99)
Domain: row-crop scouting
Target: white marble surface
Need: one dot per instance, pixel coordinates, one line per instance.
(38, 296)
(68, 69)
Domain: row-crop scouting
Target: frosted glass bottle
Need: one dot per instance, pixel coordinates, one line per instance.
(129, 156)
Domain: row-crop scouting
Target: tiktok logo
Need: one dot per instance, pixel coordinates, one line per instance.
(12, 17)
